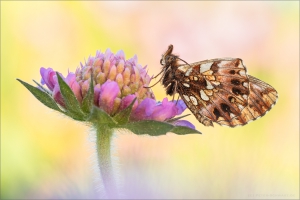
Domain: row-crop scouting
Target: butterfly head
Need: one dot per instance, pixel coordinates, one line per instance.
(168, 58)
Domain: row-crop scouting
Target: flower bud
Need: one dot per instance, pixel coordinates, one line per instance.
(126, 76)
(112, 73)
(116, 105)
(126, 91)
(120, 67)
(98, 62)
(85, 87)
(106, 67)
(101, 78)
(119, 80)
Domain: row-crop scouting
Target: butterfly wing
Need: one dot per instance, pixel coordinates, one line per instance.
(261, 99)
(214, 90)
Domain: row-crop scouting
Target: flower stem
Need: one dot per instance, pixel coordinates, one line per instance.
(104, 135)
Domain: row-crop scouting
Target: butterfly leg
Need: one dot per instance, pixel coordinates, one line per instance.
(174, 90)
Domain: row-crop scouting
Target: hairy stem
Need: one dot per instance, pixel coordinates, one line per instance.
(104, 135)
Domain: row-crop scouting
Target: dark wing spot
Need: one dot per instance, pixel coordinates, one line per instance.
(217, 113)
(232, 72)
(225, 107)
(236, 91)
(237, 63)
(257, 101)
(214, 67)
(235, 82)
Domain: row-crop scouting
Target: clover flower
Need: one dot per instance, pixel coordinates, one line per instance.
(109, 92)
(117, 82)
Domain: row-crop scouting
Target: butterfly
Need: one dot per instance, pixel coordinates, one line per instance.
(217, 90)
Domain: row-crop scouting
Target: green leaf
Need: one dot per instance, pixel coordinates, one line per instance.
(99, 117)
(156, 128)
(183, 130)
(71, 102)
(41, 96)
(88, 100)
(122, 117)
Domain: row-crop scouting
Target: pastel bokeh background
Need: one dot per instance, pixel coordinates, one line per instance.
(46, 155)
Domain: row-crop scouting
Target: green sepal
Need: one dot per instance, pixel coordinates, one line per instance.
(99, 117)
(42, 96)
(88, 100)
(156, 128)
(72, 105)
(122, 117)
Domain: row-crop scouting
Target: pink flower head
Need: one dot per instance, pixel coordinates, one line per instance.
(117, 82)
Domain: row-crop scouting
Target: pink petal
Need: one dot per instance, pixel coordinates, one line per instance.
(48, 77)
(108, 92)
(126, 101)
(74, 85)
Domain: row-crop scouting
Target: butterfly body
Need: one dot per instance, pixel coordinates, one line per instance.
(217, 90)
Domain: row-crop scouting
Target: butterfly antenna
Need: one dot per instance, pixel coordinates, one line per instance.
(156, 82)
(159, 73)
(184, 61)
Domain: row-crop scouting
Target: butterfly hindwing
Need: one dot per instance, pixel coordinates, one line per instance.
(216, 89)
(261, 99)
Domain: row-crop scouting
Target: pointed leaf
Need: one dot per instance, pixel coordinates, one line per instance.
(156, 128)
(153, 128)
(88, 100)
(183, 130)
(122, 117)
(71, 102)
(100, 117)
(41, 96)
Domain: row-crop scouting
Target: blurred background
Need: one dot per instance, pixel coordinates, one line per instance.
(45, 155)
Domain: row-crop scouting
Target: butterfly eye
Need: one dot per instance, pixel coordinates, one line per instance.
(161, 61)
